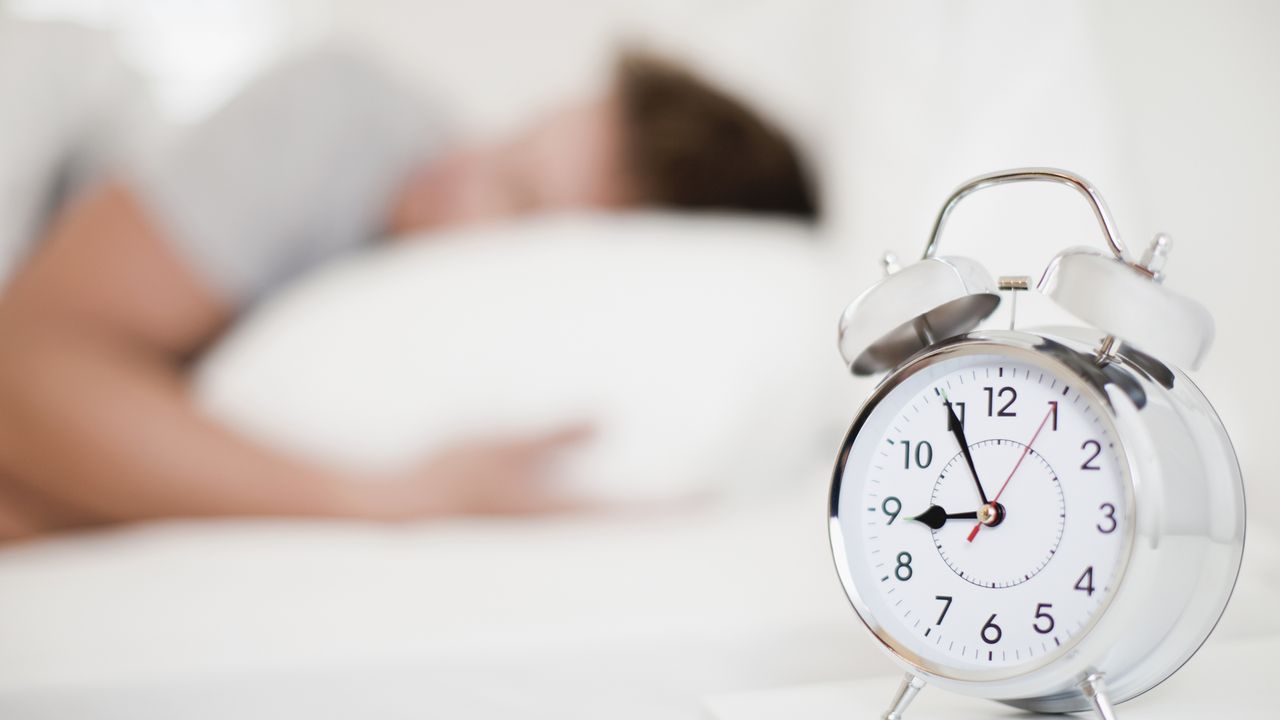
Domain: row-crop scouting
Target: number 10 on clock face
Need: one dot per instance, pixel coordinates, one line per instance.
(981, 512)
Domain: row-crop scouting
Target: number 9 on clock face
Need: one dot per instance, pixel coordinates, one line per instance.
(981, 512)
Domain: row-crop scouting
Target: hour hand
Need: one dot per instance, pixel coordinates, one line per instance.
(936, 516)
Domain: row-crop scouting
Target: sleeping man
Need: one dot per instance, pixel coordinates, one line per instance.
(144, 266)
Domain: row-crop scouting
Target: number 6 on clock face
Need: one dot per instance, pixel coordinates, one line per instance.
(989, 539)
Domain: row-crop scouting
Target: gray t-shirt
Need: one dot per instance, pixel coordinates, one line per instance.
(70, 109)
(298, 168)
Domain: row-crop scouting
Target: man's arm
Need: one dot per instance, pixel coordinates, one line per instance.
(95, 411)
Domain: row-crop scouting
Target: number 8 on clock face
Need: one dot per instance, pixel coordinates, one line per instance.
(982, 506)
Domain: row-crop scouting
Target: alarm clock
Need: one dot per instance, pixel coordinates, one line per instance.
(1050, 518)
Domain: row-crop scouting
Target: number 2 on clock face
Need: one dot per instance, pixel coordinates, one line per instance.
(983, 505)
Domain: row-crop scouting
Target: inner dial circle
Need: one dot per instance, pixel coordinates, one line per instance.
(1027, 538)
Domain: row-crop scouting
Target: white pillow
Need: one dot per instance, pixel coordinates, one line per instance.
(702, 349)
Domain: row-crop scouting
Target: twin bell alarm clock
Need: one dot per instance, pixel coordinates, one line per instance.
(1049, 518)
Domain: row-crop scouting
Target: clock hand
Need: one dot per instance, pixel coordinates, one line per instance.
(935, 516)
(993, 509)
(957, 429)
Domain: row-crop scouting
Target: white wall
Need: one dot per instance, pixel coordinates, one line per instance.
(1200, 111)
(1172, 109)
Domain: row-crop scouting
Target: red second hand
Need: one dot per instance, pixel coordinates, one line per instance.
(1025, 449)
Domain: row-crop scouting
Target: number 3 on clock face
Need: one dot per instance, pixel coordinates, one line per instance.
(980, 512)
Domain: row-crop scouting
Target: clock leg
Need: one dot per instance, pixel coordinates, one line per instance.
(907, 692)
(1095, 690)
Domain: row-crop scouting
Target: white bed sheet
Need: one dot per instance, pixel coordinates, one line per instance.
(624, 616)
(568, 617)
(1223, 681)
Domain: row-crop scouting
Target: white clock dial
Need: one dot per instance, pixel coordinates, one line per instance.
(993, 554)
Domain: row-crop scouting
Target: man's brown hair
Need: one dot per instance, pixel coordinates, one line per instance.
(686, 144)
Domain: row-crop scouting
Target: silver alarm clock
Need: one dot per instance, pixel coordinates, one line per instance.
(1050, 518)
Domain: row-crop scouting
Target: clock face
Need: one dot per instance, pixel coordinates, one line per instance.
(981, 513)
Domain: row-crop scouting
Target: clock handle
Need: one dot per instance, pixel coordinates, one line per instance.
(907, 691)
(1053, 175)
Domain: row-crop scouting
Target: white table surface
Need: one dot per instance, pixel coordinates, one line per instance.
(1225, 680)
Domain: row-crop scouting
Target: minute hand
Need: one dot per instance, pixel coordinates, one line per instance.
(958, 431)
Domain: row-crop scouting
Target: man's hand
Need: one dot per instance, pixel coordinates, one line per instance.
(488, 477)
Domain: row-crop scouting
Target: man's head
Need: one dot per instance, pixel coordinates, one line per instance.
(661, 137)
(686, 144)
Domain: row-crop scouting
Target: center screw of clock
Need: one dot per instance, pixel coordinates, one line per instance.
(991, 514)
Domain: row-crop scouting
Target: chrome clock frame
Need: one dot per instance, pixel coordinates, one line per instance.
(1185, 521)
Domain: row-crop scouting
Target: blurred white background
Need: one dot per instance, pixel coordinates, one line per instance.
(1171, 108)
